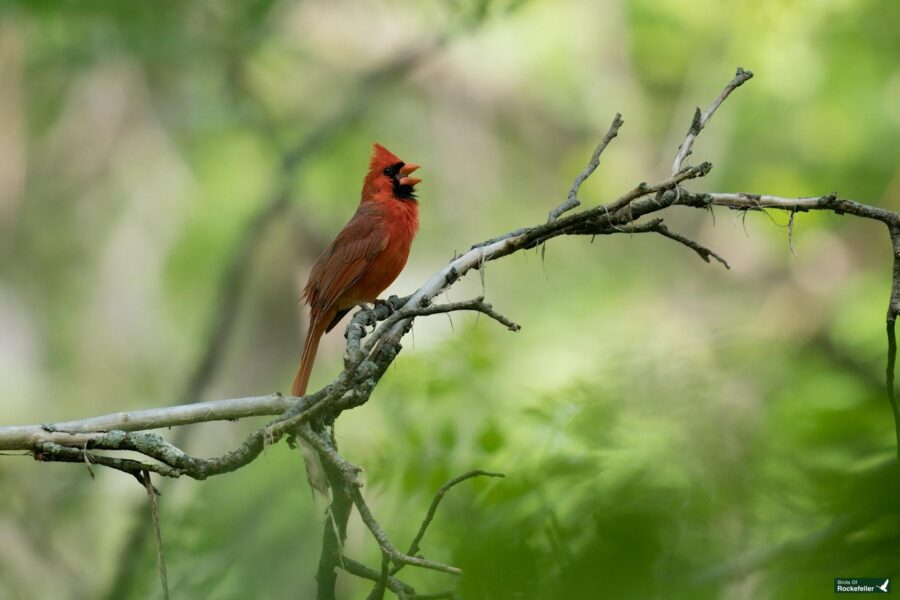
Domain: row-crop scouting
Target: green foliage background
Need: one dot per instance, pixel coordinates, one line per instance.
(668, 429)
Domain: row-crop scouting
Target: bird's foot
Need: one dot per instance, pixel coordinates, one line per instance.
(371, 315)
(364, 306)
(386, 308)
(379, 309)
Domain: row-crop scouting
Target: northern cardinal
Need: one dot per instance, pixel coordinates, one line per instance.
(363, 260)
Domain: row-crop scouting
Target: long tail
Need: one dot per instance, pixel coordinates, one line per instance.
(310, 346)
(315, 472)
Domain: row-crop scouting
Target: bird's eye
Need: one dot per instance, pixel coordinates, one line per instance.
(393, 170)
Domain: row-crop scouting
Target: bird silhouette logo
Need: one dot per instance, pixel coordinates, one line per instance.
(884, 586)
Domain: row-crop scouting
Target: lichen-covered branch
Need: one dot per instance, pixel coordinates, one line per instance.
(75, 433)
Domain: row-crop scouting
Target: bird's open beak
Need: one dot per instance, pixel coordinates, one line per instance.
(405, 172)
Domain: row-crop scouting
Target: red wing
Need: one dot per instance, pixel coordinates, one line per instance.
(344, 262)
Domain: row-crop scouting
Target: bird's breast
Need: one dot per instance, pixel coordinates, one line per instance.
(384, 268)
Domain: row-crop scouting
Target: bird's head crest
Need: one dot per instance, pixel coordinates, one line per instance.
(390, 175)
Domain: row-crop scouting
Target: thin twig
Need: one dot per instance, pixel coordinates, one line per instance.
(348, 472)
(704, 252)
(572, 200)
(377, 592)
(432, 509)
(643, 189)
(381, 537)
(398, 587)
(701, 119)
(659, 227)
(477, 304)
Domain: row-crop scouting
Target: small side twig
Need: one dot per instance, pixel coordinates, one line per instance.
(377, 592)
(704, 252)
(572, 200)
(658, 226)
(380, 536)
(644, 189)
(348, 472)
(432, 509)
(400, 589)
(477, 304)
(702, 118)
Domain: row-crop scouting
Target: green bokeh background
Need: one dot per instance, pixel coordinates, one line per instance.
(668, 429)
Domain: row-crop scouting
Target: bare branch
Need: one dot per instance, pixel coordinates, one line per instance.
(642, 189)
(24, 437)
(380, 536)
(398, 587)
(829, 202)
(439, 495)
(377, 592)
(704, 252)
(657, 226)
(349, 472)
(701, 119)
(408, 312)
(572, 199)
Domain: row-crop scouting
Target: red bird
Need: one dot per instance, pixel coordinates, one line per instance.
(363, 260)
